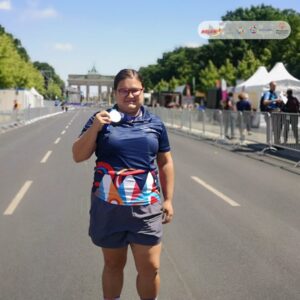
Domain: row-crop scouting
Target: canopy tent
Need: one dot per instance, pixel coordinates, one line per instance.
(26, 98)
(254, 86)
(284, 80)
(258, 80)
(279, 72)
(36, 100)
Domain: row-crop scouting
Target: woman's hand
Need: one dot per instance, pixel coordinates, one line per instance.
(168, 212)
(101, 119)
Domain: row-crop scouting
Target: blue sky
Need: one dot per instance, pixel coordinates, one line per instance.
(72, 36)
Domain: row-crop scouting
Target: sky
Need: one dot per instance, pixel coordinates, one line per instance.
(73, 36)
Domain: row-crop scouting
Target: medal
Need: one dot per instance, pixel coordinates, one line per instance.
(115, 116)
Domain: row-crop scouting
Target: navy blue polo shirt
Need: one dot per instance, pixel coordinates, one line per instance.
(125, 172)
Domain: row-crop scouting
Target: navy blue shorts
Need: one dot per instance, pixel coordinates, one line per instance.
(116, 226)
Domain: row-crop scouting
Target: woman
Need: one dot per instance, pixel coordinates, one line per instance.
(229, 114)
(126, 208)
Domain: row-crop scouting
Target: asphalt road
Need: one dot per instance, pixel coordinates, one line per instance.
(235, 235)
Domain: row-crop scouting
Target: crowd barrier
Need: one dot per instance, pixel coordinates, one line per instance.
(23, 116)
(274, 130)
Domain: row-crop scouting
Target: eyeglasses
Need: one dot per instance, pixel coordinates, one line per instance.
(126, 92)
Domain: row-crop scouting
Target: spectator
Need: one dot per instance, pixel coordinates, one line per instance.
(244, 106)
(274, 105)
(229, 113)
(16, 108)
(292, 108)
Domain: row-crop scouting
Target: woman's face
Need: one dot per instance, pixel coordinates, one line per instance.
(129, 95)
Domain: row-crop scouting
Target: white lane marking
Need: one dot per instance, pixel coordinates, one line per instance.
(63, 132)
(15, 202)
(67, 126)
(57, 140)
(216, 192)
(45, 158)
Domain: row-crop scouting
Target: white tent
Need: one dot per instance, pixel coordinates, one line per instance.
(284, 80)
(254, 86)
(258, 80)
(26, 98)
(36, 100)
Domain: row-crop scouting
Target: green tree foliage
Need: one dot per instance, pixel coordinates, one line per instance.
(53, 84)
(48, 72)
(228, 72)
(53, 90)
(281, 50)
(162, 86)
(17, 71)
(209, 76)
(18, 45)
(173, 83)
(248, 65)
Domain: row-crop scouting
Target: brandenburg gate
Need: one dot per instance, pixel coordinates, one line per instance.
(93, 78)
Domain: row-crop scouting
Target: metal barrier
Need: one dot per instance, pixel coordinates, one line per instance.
(270, 129)
(22, 116)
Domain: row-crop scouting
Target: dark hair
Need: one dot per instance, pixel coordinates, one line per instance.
(127, 73)
(289, 92)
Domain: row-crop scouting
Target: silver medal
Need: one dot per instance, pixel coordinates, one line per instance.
(115, 116)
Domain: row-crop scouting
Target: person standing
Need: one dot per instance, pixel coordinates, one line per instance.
(126, 205)
(16, 107)
(292, 107)
(244, 114)
(229, 113)
(273, 105)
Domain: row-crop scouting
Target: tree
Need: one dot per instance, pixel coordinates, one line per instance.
(248, 65)
(53, 90)
(173, 83)
(286, 50)
(15, 72)
(209, 76)
(49, 75)
(161, 86)
(228, 72)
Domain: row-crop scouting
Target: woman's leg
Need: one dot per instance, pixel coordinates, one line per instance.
(112, 276)
(147, 261)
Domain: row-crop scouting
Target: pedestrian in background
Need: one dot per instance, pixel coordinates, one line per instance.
(292, 108)
(229, 113)
(244, 108)
(274, 105)
(126, 205)
(16, 107)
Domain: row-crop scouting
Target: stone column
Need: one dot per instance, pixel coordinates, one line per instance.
(79, 92)
(99, 92)
(108, 93)
(87, 92)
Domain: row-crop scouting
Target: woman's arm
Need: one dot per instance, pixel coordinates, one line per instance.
(166, 176)
(85, 145)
